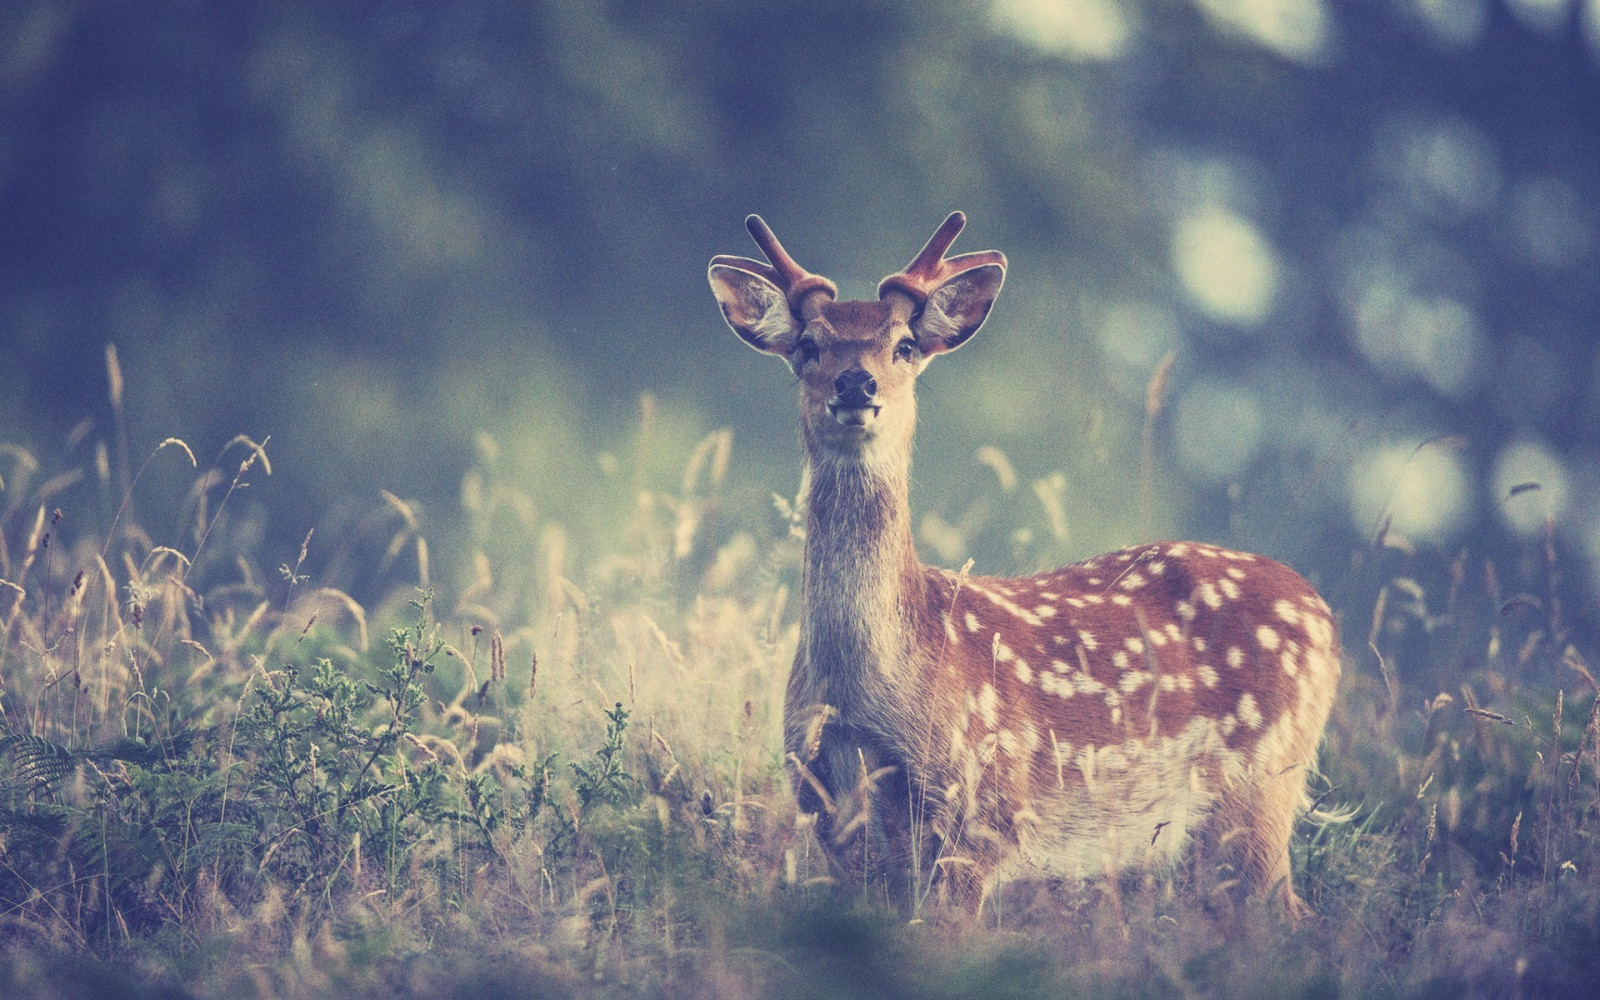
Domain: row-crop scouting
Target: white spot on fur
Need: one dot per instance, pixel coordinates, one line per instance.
(1173, 632)
(1024, 672)
(1207, 675)
(1207, 592)
(1121, 600)
(1133, 581)
(989, 705)
(1005, 603)
(1236, 573)
(1074, 602)
(1318, 630)
(1267, 637)
(1249, 714)
(1088, 640)
(1135, 644)
(1086, 683)
(1061, 687)
(972, 622)
(1119, 659)
(1157, 568)
(1133, 680)
(1045, 611)
(1198, 643)
(1030, 737)
(1230, 590)
(1291, 662)
(1186, 610)
(1235, 657)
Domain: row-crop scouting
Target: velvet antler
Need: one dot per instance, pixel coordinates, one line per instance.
(797, 284)
(929, 269)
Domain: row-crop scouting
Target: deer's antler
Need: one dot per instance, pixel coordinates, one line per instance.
(929, 269)
(798, 285)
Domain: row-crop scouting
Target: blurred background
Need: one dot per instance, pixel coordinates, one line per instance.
(409, 239)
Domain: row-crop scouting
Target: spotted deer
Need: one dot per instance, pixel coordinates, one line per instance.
(954, 731)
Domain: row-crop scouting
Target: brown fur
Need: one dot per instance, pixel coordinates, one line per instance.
(952, 732)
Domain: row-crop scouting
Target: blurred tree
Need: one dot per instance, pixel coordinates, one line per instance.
(374, 230)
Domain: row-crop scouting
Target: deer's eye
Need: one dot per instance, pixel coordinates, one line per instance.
(805, 351)
(906, 350)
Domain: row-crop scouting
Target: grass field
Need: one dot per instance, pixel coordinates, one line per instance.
(557, 773)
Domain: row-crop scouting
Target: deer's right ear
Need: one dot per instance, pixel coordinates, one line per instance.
(757, 309)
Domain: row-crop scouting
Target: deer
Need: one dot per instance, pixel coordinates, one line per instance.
(951, 732)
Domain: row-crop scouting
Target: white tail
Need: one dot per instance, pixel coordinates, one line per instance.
(952, 731)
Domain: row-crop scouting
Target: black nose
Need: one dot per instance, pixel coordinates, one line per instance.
(855, 389)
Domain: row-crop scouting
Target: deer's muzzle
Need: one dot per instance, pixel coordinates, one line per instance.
(854, 398)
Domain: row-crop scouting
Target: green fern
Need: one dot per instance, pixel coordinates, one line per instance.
(38, 762)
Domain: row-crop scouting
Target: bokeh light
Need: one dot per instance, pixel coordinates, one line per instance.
(1448, 168)
(1453, 24)
(1433, 337)
(1226, 265)
(1530, 485)
(1423, 491)
(1294, 29)
(1133, 336)
(1551, 224)
(1078, 29)
(394, 231)
(1544, 16)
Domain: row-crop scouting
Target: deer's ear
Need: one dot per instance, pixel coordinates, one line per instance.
(757, 309)
(954, 310)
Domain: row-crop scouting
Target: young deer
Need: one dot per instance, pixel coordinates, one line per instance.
(956, 731)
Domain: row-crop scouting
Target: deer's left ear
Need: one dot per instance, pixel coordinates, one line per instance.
(955, 309)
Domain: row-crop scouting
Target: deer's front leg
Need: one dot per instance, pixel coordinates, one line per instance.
(858, 791)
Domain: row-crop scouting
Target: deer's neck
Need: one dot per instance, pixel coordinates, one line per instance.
(861, 570)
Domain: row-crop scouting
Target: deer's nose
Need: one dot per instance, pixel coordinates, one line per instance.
(855, 388)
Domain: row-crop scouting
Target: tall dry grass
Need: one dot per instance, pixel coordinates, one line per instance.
(547, 763)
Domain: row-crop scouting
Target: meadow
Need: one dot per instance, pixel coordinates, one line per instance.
(546, 762)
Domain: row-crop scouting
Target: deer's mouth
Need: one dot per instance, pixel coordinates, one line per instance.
(853, 416)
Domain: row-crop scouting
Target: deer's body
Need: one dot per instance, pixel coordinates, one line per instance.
(963, 730)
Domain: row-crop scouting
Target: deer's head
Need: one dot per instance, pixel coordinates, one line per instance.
(857, 362)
